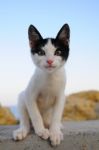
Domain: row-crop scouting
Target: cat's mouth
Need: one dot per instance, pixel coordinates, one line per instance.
(50, 67)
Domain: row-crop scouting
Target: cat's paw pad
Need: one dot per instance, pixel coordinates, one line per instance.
(44, 134)
(20, 134)
(56, 137)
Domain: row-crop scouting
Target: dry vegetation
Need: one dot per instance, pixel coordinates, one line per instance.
(6, 117)
(79, 106)
(82, 106)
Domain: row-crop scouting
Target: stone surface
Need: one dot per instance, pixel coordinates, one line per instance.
(77, 136)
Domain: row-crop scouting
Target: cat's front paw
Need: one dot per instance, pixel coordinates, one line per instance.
(56, 136)
(43, 133)
(20, 134)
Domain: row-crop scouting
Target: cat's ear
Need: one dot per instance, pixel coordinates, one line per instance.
(64, 34)
(34, 36)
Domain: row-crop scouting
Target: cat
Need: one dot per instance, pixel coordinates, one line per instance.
(43, 100)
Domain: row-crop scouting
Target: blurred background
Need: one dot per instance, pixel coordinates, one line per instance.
(16, 67)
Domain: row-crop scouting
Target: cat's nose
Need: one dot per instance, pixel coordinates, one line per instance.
(49, 61)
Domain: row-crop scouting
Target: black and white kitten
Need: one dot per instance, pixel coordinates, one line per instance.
(43, 100)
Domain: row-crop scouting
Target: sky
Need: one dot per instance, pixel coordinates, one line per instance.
(16, 67)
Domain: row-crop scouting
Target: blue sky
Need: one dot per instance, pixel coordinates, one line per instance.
(16, 67)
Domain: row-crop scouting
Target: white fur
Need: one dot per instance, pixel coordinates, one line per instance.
(43, 100)
(41, 62)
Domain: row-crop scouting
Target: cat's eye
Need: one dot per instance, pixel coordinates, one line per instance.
(41, 53)
(58, 52)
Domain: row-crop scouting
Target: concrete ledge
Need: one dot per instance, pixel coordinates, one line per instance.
(77, 136)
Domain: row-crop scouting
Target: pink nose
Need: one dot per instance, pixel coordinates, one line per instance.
(49, 61)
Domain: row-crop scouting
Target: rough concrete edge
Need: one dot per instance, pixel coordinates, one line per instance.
(75, 133)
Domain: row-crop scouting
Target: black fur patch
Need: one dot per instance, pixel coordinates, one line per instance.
(57, 43)
(38, 46)
(63, 48)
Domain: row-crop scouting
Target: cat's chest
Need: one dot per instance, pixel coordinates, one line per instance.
(48, 94)
(49, 84)
(50, 87)
(45, 101)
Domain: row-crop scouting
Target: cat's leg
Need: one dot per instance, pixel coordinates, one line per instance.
(24, 128)
(56, 135)
(36, 117)
(47, 117)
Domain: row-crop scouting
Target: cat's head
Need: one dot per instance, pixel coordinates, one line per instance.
(49, 54)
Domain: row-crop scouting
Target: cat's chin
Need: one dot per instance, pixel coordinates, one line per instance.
(47, 69)
(50, 69)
